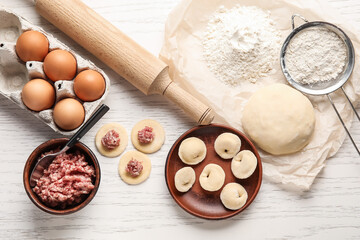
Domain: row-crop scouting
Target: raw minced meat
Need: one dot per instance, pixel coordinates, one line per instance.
(66, 181)
(134, 167)
(146, 135)
(111, 139)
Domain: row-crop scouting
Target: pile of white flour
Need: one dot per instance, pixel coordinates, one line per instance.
(315, 54)
(241, 44)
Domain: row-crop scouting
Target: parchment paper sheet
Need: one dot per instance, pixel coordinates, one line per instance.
(182, 51)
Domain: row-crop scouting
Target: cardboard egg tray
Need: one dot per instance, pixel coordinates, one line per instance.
(14, 73)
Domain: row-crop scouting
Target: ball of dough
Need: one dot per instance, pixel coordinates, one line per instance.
(212, 177)
(233, 196)
(192, 151)
(184, 179)
(243, 164)
(279, 119)
(227, 145)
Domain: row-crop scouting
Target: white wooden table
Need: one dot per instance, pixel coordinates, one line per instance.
(330, 210)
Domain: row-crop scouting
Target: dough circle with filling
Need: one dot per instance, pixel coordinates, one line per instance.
(184, 179)
(233, 196)
(212, 177)
(159, 137)
(279, 119)
(126, 158)
(123, 140)
(227, 145)
(192, 151)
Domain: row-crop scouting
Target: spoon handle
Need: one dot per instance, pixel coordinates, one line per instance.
(88, 125)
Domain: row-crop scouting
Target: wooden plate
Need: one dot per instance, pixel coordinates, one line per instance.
(197, 201)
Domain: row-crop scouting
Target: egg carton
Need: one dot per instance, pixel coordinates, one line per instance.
(14, 73)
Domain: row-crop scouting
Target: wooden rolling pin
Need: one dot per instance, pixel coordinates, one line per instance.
(142, 69)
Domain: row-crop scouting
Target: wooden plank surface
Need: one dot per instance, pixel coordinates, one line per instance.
(330, 210)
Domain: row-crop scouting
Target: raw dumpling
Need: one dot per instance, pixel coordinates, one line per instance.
(243, 164)
(227, 145)
(212, 177)
(192, 151)
(184, 179)
(233, 196)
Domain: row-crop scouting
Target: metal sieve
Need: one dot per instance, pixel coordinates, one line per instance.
(326, 87)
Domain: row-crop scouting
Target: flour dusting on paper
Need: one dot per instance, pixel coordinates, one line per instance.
(241, 44)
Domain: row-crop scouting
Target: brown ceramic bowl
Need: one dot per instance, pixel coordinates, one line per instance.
(51, 145)
(197, 201)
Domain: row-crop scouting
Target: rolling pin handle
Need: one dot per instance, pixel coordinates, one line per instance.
(191, 106)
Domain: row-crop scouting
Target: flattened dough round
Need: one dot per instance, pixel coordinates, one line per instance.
(184, 179)
(192, 151)
(125, 159)
(227, 145)
(212, 177)
(123, 140)
(243, 164)
(159, 138)
(233, 196)
(279, 119)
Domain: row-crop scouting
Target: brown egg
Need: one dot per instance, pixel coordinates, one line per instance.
(38, 95)
(32, 46)
(60, 65)
(69, 114)
(89, 85)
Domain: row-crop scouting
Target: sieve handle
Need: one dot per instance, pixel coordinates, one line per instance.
(293, 20)
(341, 120)
(352, 106)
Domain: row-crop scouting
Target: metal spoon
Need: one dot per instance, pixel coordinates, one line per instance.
(44, 162)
